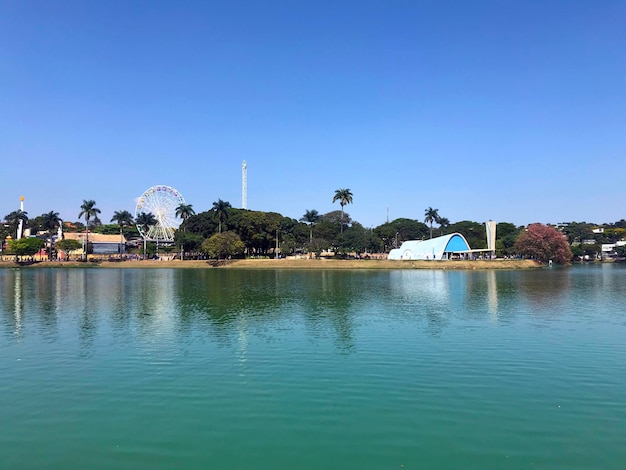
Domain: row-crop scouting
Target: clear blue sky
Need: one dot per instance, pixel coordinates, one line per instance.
(506, 110)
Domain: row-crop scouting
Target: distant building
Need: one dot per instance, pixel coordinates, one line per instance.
(446, 247)
(101, 244)
(608, 249)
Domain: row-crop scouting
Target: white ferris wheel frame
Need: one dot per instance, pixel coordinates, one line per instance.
(161, 201)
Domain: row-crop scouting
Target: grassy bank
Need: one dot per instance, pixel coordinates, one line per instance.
(289, 264)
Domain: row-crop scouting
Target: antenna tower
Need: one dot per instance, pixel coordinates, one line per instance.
(244, 185)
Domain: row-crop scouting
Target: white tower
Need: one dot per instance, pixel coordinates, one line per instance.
(490, 228)
(21, 222)
(244, 185)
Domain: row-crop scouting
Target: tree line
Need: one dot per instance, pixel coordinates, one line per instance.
(227, 231)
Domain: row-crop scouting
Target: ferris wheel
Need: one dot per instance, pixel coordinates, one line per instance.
(161, 202)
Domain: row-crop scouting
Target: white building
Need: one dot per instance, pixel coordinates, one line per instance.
(435, 248)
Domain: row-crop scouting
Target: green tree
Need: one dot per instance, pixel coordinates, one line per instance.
(577, 251)
(184, 211)
(431, 216)
(620, 224)
(336, 217)
(258, 229)
(344, 196)
(443, 224)
(123, 219)
(310, 217)
(203, 224)
(222, 245)
(107, 229)
(220, 208)
(88, 210)
(188, 241)
(353, 240)
(50, 221)
(329, 227)
(578, 231)
(506, 234)
(145, 221)
(401, 230)
(287, 244)
(13, 220)
(613, 234)
(504, 229)
(67, 246)
(591, 250)
(544, 243)
(25, 246)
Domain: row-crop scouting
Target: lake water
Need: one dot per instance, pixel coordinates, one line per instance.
(229, 369)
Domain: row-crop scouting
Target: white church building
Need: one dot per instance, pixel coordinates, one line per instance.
(445, 247)
(435, 248)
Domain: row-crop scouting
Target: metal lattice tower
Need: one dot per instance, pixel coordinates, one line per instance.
(244, 185)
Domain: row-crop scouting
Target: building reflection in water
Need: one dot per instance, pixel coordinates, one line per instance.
(492, 295)
(429, 294)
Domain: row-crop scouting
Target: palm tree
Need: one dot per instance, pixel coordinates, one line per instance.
(432, 215)
(145, 221)
(13, 219)
(221, 210)
(443, 223)
(184, 211)
(344, 196)
(123, 219)
(88, 209)
(50, 221)
(310, 217)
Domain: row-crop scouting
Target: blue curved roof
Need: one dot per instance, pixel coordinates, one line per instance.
(430, 249)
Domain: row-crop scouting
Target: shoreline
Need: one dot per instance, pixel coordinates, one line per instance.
(306, 264)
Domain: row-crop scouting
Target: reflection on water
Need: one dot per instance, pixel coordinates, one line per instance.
(492, 295)
(172, 302)
(158, 304)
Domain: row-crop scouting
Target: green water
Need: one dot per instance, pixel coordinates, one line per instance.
(225, 369)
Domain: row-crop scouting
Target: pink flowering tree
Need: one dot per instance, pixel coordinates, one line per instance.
(544, 243)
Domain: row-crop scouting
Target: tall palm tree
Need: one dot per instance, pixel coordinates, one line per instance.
(310, 217)
(123, 219)
(88, 209)
(344, 196)
(432, 215)
(13, 219)
(221, 210)
(184, 211)
(144, 221)
(50, 221)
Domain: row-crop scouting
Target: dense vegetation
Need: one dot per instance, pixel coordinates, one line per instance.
(226, 231)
